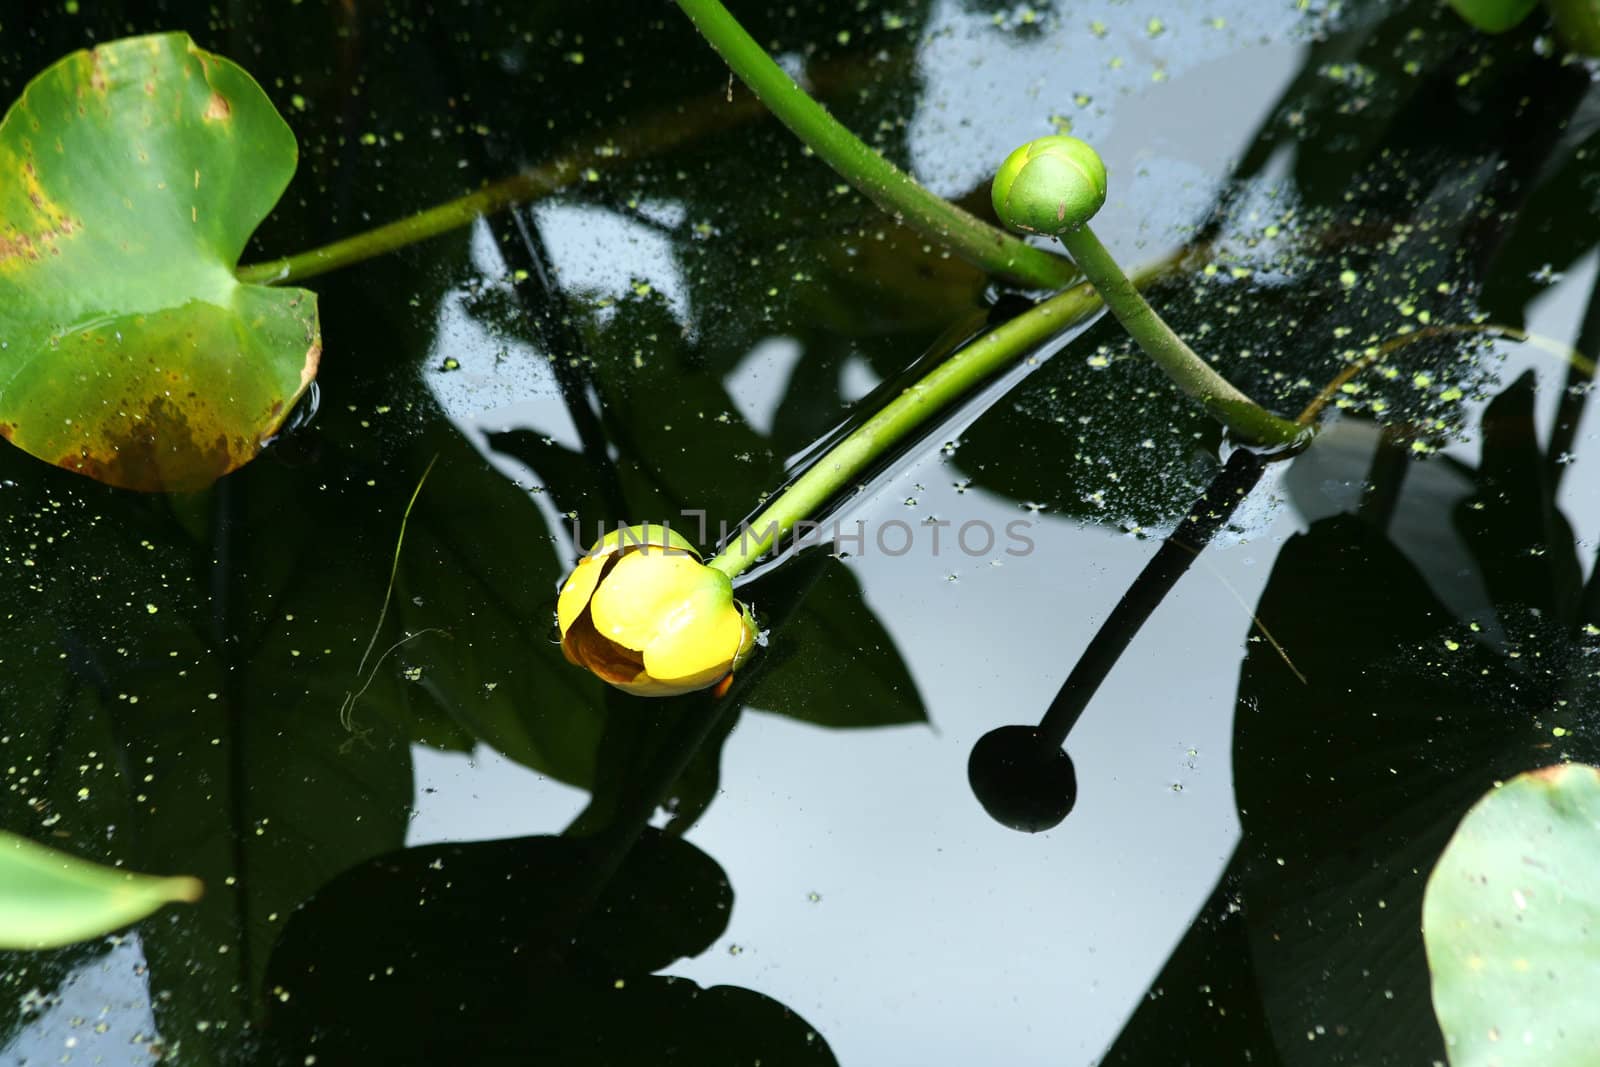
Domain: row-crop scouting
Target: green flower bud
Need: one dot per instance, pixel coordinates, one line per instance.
(1493, 16)
(1050, 186)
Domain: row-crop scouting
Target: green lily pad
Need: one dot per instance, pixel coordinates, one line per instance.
(49, 899)
(133, 175)
(1511, 920)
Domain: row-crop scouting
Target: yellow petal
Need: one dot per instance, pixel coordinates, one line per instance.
(642, 538)
(645, 686)
(705, 645)
(577, 590)
(699, 651)
(646, 593)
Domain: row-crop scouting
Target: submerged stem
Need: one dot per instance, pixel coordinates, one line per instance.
(886, 185)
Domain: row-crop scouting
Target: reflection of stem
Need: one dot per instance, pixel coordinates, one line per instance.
(549, 309)
(886, 185)
(1249, 420)
(548, 313)
(1222, 497)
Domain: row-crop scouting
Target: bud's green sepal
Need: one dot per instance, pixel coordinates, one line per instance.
(1494, 16)
(1050, 186)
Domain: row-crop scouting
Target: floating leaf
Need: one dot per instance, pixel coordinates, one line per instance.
(133, 174)
(1511, 920)
(49, 899)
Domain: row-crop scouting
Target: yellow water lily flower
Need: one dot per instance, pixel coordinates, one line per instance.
(645, 615)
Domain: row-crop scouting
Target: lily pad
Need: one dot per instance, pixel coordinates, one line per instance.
(134, 173)
(49, 899)
(1511, 920)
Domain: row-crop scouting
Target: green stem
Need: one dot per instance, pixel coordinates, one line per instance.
(1244, 417)
(896, 192)
(651, 134)
(956, 376)
(947, 382)
(529, 185)
(645, 135)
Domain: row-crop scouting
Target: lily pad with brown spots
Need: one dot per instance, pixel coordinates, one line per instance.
(131, 176)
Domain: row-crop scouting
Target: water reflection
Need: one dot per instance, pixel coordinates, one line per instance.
(868, 893)
(99, 1011)
(882, 823)
(1020, 773)
(481, 795)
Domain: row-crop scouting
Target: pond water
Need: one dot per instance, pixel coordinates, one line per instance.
(440, 870)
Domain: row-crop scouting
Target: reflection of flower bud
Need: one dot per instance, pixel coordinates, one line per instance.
(643, 613)
(1049, 186)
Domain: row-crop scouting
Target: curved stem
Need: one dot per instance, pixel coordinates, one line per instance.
(644, 135)
(886, 185)
(1193, 375)
(928, 396)
(1576, 361)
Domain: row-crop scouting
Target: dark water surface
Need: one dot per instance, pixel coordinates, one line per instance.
(1390, 622)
